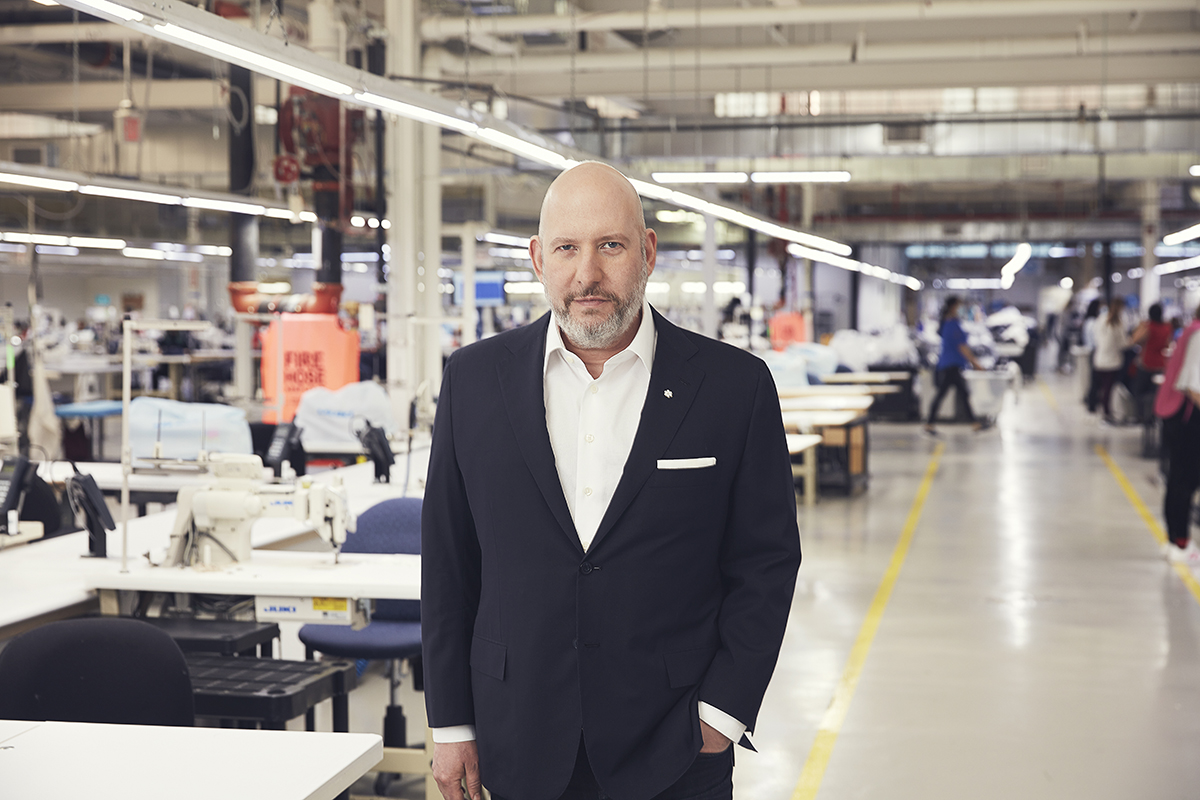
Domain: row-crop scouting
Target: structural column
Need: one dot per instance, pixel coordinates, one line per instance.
(708, 316)
(1151, 280)
(429, 299)
(404, 190)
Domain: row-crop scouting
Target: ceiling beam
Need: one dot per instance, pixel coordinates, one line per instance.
(456, 27)
(177, 94)
(828, 53)
(657, 84)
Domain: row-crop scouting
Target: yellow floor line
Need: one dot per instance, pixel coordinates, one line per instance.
(835, 715)
(1156, 530)
(1050, 398)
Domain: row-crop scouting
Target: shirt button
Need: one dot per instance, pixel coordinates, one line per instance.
(587, 492)
(589, 438)
(595, 388)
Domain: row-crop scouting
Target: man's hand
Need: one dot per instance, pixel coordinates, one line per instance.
(455, 762)
(714, 740)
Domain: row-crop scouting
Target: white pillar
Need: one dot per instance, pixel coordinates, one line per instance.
(468, 284)
(804, 293)
(1151, 281)
(709, 322)
(429, 299)
(403, 190)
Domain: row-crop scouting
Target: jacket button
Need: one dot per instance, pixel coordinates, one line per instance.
(586, 567)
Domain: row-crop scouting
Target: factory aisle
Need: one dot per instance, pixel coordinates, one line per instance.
(1035, 643)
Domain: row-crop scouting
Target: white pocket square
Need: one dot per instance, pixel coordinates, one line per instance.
(686, 463)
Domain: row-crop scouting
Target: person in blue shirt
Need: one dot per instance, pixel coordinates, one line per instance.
(954, 357)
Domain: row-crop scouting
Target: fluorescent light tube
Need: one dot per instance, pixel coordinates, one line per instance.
(521, 147)
(699, 177)
(823, 176)
(112, 9)
(418, 113)
(506, 238)
(229, 52)
(1185, 235)
(132, 194)
(280, 213)
(1169, 267)
(103, 244)
(1018, 261)
(225, 205)
(37, 238)
(144, 252)
(35, 182)
(1194, 170)
(308, 216)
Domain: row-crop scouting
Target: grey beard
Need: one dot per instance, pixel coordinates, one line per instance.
(605, 333)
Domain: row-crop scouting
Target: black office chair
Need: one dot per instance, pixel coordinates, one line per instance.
(99, 669)
(394, 633)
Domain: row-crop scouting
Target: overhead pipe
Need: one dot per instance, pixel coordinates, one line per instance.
(456, 27)
(826, 53)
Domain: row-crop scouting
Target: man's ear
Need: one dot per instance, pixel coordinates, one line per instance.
(535, 255)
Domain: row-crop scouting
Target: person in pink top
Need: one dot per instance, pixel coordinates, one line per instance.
(1177, 403)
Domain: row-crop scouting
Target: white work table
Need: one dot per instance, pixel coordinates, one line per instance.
(60, 760)
(49, 579)
(804, 445)
(865, 377)
(841, 389)
(827, 402)
(807, 420)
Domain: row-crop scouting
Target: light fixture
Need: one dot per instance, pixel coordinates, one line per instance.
(105, 7)
(841, 262)
(308, 216)
(973, 283)
(102, 244)
(233, 207)
(358, 222)
(1008, 272)
(1194, 170)
(1185, 235)
(822, 176)
(1182, 265)
(132, 194)
(144, 252)
(1067, 283)
(521, 147)
(37, 238)
(506, 238)
(35, 182)
(417, 113)
(699, 177)
(280, 213)
(249, 59)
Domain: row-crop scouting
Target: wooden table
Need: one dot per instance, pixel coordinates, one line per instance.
(828, 402)
(64, 760)
(844, 445)
(839, 390)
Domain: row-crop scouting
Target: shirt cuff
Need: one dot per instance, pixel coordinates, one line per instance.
(458, 733)
(725, 725)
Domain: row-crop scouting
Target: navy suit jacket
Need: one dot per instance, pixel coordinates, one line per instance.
(682, 596)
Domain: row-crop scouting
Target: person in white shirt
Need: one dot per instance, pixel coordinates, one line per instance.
(1111, 343)
(609, 537)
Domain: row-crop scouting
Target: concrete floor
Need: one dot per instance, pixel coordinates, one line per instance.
(1035, 644)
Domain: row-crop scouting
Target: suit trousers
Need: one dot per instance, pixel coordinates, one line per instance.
(709, 778)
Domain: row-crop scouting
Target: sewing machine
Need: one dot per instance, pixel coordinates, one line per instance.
(212, 526)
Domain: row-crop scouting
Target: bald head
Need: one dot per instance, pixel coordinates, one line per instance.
(594, 254)
(591, 184)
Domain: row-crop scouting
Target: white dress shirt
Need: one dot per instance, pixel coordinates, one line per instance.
(592, 423)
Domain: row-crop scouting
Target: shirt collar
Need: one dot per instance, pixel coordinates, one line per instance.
(642, 346)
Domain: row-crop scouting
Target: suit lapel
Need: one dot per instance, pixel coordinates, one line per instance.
(521, 382)
(674, 382)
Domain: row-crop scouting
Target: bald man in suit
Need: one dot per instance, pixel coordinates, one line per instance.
(609, 537)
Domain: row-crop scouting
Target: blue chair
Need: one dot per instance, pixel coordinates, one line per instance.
(394, 633)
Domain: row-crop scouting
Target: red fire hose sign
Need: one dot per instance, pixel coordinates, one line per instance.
(287, 168)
